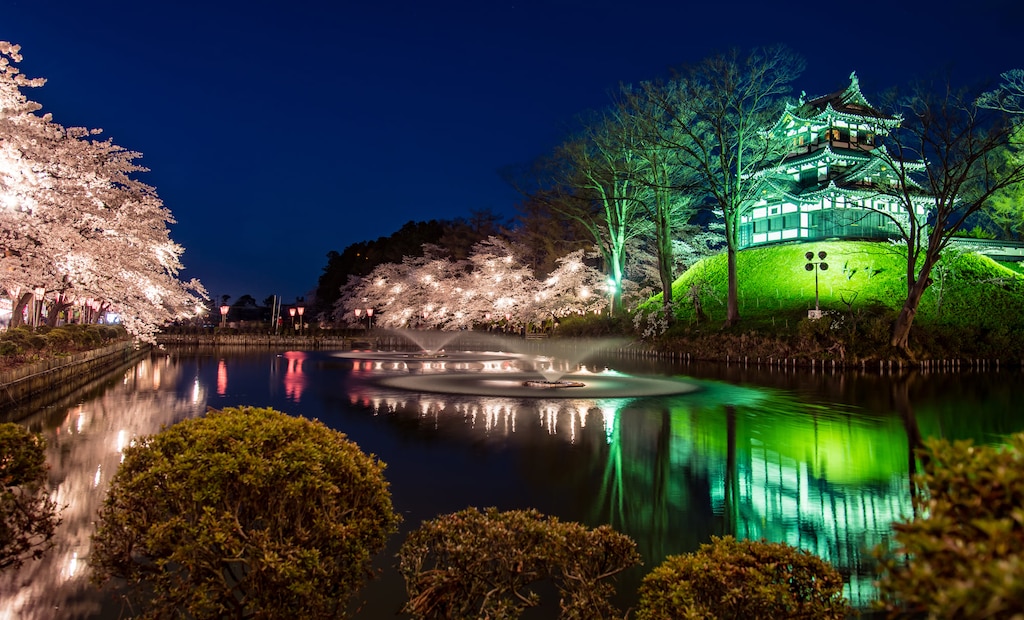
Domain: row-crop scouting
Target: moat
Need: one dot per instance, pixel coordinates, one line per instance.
(818, 459)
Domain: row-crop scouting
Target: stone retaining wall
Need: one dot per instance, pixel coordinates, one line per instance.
(63, 375)
(258, 340)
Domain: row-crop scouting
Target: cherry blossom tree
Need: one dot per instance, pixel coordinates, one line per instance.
(76, 224)
(491, 286)
(573, 288)
(404, 294)
(499, 284)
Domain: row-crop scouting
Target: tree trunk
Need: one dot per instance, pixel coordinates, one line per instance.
(55, 310)
(19, 310)
(665, 263)
(732, 316)
(901, 327)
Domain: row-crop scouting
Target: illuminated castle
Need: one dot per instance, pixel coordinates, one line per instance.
(830, 184)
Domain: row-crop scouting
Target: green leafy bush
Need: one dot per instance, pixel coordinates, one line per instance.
(473, 564)
(28, 516)
(88, 337)
(962, 555)
(59, 340)
(727, 578)
(243, 513)
(111, 332)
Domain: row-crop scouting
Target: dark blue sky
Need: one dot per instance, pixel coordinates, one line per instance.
(278, 131)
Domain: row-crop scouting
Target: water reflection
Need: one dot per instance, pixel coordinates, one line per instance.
(84, 445)
(754, 463)
(821, 461)
(294, 379)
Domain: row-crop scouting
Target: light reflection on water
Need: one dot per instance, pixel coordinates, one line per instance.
(821, 462)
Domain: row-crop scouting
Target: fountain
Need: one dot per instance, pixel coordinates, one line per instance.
(431, 347)
(571, 354)
(561, 374)
(430, 342)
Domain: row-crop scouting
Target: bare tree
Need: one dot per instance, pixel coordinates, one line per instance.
(596, 178)
(969, 157)
(720, 110)
(669, 190)
(1009, 96)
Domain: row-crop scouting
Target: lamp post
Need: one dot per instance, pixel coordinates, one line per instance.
(815, 266)
(224, 314)
(369, 319)
(358, 313)
(302, 324)
(37, 307)
(291, 313)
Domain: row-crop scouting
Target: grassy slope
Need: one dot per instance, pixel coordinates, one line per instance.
(775, 287)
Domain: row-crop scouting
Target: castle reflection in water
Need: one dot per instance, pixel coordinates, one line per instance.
(824, 465)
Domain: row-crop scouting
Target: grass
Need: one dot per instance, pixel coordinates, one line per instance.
(974, 308)
(968, 290)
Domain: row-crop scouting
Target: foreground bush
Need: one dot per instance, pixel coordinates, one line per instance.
(743, 579)
(28, 516)
(243, 513)
(473, 564)
(962, 556)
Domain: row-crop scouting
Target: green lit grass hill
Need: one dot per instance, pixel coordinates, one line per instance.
(974, 307)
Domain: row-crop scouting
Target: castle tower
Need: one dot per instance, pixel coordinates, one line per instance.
(830, 184)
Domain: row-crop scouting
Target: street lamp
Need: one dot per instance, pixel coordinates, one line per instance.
(302, 324)
(359, 312)
(291, 313)
(224, 314)
(369, 319)
(37, 306)
(815, 266)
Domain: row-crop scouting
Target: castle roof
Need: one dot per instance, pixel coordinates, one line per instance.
(848, 104)
(856, 168)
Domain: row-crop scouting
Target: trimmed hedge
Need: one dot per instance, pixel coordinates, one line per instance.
(727, 578)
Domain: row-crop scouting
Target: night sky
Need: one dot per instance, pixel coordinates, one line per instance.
(279, 131)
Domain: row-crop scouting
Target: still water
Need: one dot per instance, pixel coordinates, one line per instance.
(821, 460)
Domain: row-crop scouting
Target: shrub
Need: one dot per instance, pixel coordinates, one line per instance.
(473, 564)
(88, 337)
(28, 516)
(59, 340)
(962, 555)
(111, 332)
(243, 513)
(727, 578)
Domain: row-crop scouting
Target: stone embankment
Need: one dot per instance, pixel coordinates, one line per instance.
(261, 340)
(48, 380)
